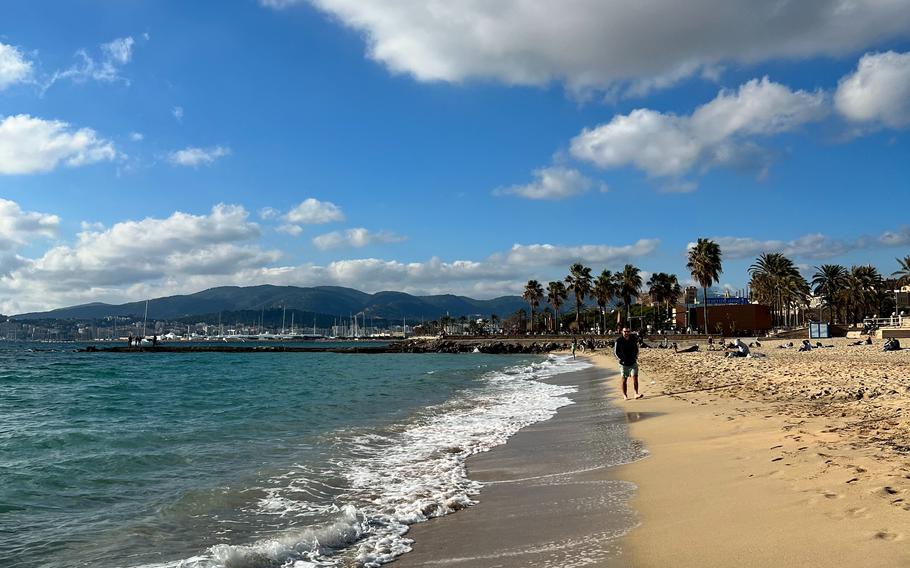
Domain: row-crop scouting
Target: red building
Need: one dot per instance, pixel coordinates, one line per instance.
(743, 319)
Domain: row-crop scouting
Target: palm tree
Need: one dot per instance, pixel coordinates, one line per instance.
(663, 289)
(604, 291)
(533, 294)
(556, 296)
(629, 281)
(776, 281)
(579, 282)
(829, 282)
(705, 266)
(903, 275)
(861, 290)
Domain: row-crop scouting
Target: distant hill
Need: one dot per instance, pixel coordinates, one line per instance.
(327, 300)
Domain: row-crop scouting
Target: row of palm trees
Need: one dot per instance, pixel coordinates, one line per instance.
(623, 287)
(774, 281)
(582, 284)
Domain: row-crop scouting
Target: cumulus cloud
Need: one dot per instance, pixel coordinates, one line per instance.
(878, 92)
(177, 112)
(107, 263)
(137, 136)
(355, 238)
(717, 134)
(314, 212)
(191, 156)
(31, 145)
(14, 67)
(185, 253)
(291, 229)
(597, 44)
(18, 227)
(555, 182)
(812, 246)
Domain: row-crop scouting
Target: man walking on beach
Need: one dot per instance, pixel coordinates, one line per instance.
(626, 351)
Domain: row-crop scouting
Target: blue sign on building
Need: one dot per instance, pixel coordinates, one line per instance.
(728, 301)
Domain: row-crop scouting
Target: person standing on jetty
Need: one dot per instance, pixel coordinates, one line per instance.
(626, 351)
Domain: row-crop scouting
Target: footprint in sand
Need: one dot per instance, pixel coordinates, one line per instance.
(830, 495)
(886, 535)
(854, 513)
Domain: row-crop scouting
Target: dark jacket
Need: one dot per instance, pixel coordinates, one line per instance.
(626, 350)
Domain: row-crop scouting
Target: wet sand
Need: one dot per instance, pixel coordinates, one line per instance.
(549, 497)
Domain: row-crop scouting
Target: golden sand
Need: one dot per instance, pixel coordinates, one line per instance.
(792, 459)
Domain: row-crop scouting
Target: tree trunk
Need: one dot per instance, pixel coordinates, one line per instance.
(705, 290)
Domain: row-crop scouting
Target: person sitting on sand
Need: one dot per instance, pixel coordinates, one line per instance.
(806, 346)
(892, 344)
(741, 349)
(626, 351)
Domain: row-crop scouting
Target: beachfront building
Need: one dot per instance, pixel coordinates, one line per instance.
(726, 316)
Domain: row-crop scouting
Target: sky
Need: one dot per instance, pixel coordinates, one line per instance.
(150, 148)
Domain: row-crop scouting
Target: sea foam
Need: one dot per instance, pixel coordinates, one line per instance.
(404, 474)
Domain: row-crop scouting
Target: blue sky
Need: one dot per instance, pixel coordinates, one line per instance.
(151, 148)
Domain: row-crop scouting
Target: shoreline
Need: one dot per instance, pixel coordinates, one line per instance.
(739, 477)
(549, 496)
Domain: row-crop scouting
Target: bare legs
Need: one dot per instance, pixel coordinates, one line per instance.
(625, 396)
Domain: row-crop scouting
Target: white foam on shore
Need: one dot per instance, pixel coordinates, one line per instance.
(406, 474)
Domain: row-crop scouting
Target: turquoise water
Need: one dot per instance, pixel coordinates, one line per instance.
(216, 459)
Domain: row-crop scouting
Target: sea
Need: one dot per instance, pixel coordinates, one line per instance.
(246, 460)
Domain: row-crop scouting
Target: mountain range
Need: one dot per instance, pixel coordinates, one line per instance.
(326, 300)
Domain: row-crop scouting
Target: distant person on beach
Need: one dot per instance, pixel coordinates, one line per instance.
(626, 351)
(129, 340)
(806, 346)
(892, 344)
(741, 349)
(574, 346)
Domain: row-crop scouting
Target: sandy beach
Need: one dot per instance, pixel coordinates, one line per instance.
(790, 459)
(783, 460)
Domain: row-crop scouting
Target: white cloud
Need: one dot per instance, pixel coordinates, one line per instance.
(599, 44)
(185, 253)
(136, 136)
(811, 246)
(109, 263)
(290, 228)
(355, 238)
(552, 255)
(18, 227)
(177, 111)
(14, 67)
(198, 156)
(555, 182)
(106, 68)
(716, 134)
(314, 212)
(900, 237)
(878, 91)
(30, 145)
(267, 213)
(119, 51)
